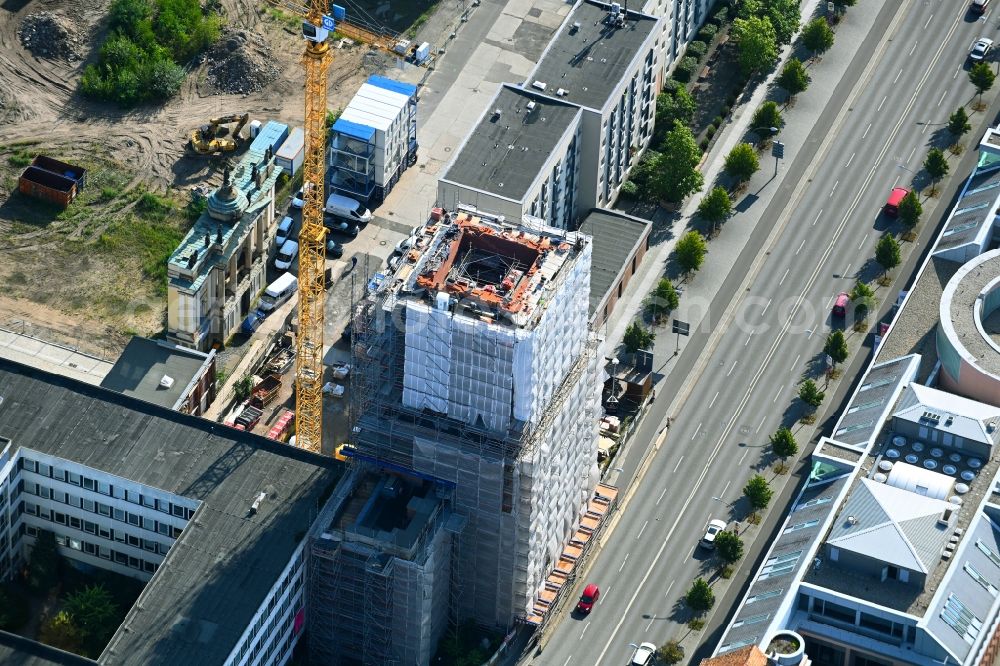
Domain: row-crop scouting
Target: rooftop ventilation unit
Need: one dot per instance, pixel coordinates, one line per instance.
(945, 516)
(497, 113)
(166, 381)
(573, 29)
(540, 85)
(852, 520)
(532, 105)
(256, 503)
(931, 417)
(991, 426)
(616, 8)
(561, 92)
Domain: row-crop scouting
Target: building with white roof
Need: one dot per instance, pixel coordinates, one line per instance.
(374, 140)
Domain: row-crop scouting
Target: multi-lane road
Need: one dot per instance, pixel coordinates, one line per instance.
(905, 80)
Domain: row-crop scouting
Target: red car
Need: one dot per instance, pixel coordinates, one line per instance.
(892, 203)
(590, 595)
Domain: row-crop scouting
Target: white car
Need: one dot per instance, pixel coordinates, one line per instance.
(981, 49)
(333, 390)
(643, 655)
(714, 527)
(298, 200)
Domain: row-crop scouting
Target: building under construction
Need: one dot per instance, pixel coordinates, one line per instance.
(475, 373)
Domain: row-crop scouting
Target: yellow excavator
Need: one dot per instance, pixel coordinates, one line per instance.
(207, 139)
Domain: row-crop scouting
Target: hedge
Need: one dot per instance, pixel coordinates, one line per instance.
(707, 33)
(697, 49)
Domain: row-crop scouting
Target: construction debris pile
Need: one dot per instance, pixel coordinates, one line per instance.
(49, 36)
(241, 63)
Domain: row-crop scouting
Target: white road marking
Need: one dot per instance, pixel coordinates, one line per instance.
(777, 341)
(817, 217)
(834, 188)
(748, 340)
(641, 529)
(928, 21)
(566, 663)
(778, 394)
(942, 97)
(696, 431)
(957, 71)
(911, 154)
(604, 595)
(810, 334)
(732, 368)
(796, 362)
(881, 103)
(761, 424)
(623, 563)
(800, 246)
(765, 307)
(650, 623)
(714, 399)
(669, 587)
(863, 241)
(676, 467)
(662, 494)
(784, 276)
(866, 131)
(745, 452)
(895, 182)
(723, 493)
(585, 627)
(914, 48)
(850, 160)
(847, 271)
(924, 130)
(898, 74)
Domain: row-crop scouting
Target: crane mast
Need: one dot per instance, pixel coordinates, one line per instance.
(312, 243)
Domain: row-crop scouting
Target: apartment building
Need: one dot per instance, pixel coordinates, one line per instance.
(211, 519)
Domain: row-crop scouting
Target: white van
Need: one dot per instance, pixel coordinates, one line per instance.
(284, 231)
(348, 208)
(278, 292)
(286, 255)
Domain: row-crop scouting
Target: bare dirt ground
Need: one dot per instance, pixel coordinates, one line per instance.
(48, 280)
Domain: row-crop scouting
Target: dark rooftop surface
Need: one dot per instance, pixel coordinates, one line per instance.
(590, 62)
(861, 421)
(505, 153)
(972, 210)
(142, 365)
(218, 572)
(19, 651)
(616, 236)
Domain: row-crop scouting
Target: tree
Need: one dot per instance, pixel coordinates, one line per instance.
(836, 347)
(758, 492)
(767, 116)
(863, 298)
(699, 596)
(817, 36)
(664, 298)
(637, 337)
(757, 42)
(741, 162)
(13, 609)
(784, 17)
(95, 613)
(958, 122)
(887, 253)
(61, 632)
(690, 251)
(677, 105)
(643, 174)
(729, 546)
(936, 165)
(670, 653)
(716, 207)
(676, 172)
(844, 3)
(982, 77)
(810, 394)
(44, 561)
(793, 78)
(910, 210)
(783, 441)
(243, 387)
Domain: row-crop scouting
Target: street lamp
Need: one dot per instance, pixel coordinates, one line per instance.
(772, 130)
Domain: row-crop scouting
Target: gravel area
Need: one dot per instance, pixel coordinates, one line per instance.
(49, 36)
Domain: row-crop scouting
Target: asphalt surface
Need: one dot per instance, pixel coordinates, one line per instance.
(774, 337)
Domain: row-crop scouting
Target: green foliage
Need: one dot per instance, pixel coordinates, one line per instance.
(198, 205)
(981, 76)
(716, 207)
(61, 632)
(700, 598)
(936, 164)
(767, 116)
(676, 106)
(817, 36)
(784, 16)
(643, 175)
(696, 624)
(151, 241)
(844, 3)
(333, 116)
(793, 78)
(758, 46)
(44, 562)
(690, 251)
(13, 609)
(810, 394)
(146, 40)
(741, 162)
(758, 492)
(462, 646)
(720, 17)
(94, 612)
(629, 189)
(717, 121)
(910, 210)
(670, 653)
(664, 298)
(243, 387)
(729, 546)
(707, 33)
(685, 69)
(958, 122)
(863, 298)
(696, 49)
(710, 131)
(836, 347)
(675, 175)
(637, 337)
(782, 440)
(887, 252)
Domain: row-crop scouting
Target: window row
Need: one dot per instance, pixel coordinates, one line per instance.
(99, 530)
(104, 488)
(32, 488)
(97, 551)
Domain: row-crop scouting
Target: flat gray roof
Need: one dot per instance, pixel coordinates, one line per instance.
(590, 62)
(864, 416)
(19, 651)
(971, 212)
(144, 362)
(219, 571)
(616, 237)
(505, 152)
(972, 278)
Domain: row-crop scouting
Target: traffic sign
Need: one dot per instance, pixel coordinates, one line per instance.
(681, 327)
(778, 149)
(328, 23)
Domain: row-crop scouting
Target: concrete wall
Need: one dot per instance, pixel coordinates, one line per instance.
(620, 286)
(914, 431)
